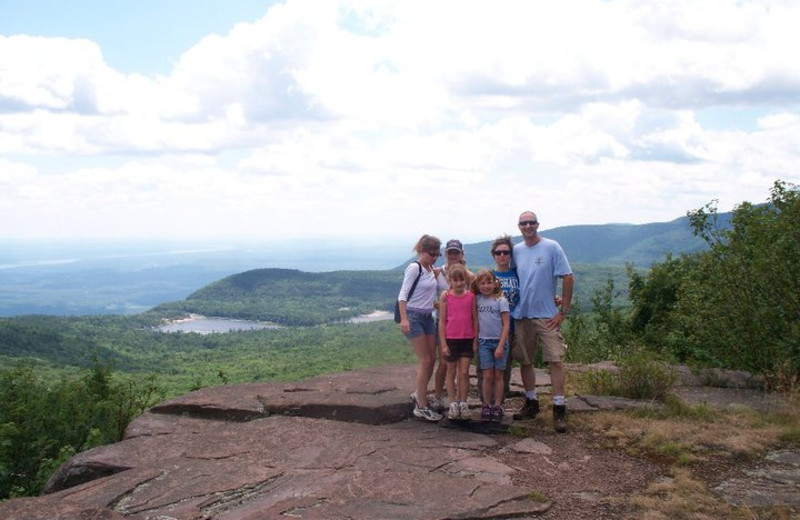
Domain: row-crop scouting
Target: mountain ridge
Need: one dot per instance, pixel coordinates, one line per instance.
(639, 244)
(135, 283)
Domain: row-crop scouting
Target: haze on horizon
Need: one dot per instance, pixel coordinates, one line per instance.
(358, 119)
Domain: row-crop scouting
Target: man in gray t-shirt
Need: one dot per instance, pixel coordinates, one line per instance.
(540, 262)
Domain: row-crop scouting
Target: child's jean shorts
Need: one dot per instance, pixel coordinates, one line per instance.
(486, 348)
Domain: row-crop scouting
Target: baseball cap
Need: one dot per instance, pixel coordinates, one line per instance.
(454, 244)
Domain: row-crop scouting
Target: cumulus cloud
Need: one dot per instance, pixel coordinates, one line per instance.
(394, 117)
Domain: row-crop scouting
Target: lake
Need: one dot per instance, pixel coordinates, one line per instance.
(205, 325)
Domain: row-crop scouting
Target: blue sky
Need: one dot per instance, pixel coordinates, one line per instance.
(361, 119)
(146, 36)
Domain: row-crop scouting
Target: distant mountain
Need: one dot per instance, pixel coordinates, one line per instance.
(640, 244)
(128, 278)
(597, 253)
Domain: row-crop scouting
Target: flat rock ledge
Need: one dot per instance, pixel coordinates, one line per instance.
(339, 446)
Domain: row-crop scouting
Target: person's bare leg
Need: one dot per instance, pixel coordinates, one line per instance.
(423, 346)
(452, 369)
(440, 375)
(488, 384)
(557, 377)
(463, 378)
(528, 377)
(499, 387)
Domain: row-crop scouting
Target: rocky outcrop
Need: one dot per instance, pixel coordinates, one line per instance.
(339, 446)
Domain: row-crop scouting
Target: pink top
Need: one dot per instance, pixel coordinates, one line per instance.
(460, 324)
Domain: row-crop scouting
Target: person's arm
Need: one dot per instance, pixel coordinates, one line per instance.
(443, 326)
(475, 323)
(567, 283)
(504, 316)
(566, 292)
(408, 280)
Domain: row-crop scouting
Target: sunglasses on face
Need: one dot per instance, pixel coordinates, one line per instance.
(501, 252)
(527, 223)
(435, 254)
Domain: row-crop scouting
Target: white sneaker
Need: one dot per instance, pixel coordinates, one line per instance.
(426, 413)
(453, 413)
(437, 403)
(464, 411)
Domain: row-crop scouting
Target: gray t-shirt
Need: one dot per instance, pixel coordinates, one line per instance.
(490, 322)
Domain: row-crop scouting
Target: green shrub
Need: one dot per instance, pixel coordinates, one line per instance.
(44, 421)
(641, 375)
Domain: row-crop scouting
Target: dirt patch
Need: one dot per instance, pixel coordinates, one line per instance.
(581, 478)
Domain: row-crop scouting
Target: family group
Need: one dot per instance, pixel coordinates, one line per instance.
(502, 314)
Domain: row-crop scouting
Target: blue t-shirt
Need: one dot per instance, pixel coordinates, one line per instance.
(509, 283)
(539, 267)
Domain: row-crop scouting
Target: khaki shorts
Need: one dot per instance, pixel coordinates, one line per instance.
(529, 332)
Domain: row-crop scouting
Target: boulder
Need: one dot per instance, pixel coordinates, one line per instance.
(337, 446)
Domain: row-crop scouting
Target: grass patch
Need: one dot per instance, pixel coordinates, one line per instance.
(518, 431)
(688, 440)
(692, 436)
(791, 435)
(538, 496)
(682, 496)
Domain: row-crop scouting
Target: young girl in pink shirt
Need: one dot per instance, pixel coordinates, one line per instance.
(458, 336)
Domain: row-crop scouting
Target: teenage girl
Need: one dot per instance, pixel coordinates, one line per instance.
(493, 330)
(458, 329)
(416, 318)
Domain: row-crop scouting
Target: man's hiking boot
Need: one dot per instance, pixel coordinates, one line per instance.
(528, 410)
(560, 418)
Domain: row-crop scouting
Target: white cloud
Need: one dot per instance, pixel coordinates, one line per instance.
(397, 117)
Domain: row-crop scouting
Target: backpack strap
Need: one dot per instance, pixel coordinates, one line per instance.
(414, 286)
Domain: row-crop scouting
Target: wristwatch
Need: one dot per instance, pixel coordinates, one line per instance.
(564, 312)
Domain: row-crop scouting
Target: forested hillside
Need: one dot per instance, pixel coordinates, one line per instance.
(291, 297)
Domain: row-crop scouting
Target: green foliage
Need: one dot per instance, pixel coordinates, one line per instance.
(47, 337)
(641, 376)
(601, 334)
(791, 435)
(653, 318)
(736, 305)
(43, 421)
(675, 408)
(745, 305)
